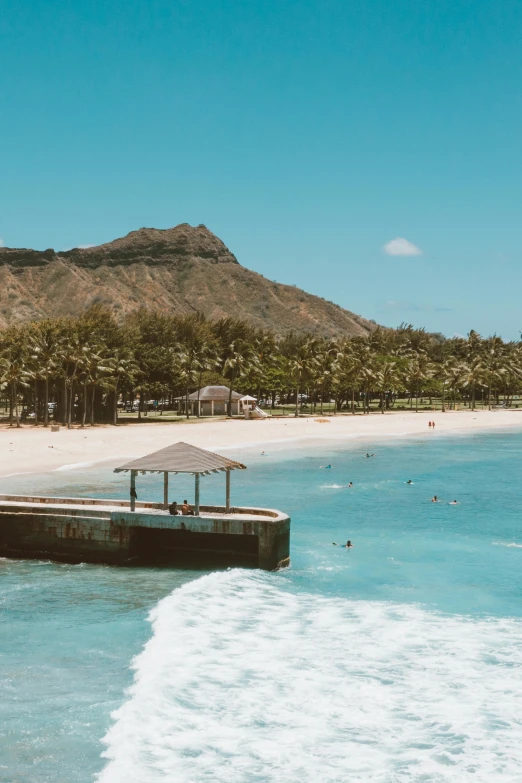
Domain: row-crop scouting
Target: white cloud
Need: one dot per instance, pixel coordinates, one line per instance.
(401, 247)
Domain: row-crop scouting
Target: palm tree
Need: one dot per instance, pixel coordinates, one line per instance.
(205, 359)
(121, 366)
(387, 379)
(494, 364)
(265, 347)
(456, 375)
(44, 347)
(353, 368)
(14, 371)
(325, 368)
(302, 362)
(93, 366)
(69, 353)
(418, 371)
(473, 375)
(185, 370)
(240, 358)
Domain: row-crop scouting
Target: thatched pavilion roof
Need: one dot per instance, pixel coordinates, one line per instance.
(181, 458)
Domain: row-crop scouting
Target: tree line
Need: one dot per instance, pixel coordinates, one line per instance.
(85, 365)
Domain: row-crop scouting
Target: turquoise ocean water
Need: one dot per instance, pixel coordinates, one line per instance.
(399, 660)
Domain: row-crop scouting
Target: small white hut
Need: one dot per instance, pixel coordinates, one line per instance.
(212, 401)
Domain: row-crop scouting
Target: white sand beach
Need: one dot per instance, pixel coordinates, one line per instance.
(38, 450)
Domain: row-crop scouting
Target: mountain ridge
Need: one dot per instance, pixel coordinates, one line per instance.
(180, 269)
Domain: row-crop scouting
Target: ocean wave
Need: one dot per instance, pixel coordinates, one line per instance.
(505, 543)
(244, 680)
(74, 466)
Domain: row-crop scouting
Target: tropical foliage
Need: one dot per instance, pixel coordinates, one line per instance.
(80, 370)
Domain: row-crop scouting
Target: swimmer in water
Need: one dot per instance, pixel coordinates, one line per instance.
(409, 481)
(348, 545)
(453, 503)
(326, 467)
(350, 485)
(434, 499)
(367, 456)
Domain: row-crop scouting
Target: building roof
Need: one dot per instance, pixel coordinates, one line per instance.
(181, 458)
(212, 393)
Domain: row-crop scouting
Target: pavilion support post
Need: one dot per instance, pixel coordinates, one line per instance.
(227, 502)
(196, 504)
(165, 489)
(211, 407)
(133, 490)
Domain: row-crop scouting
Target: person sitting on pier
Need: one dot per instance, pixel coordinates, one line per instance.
(186, 510)
(173, 509)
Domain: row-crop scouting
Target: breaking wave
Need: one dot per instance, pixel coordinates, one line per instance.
(244, 680)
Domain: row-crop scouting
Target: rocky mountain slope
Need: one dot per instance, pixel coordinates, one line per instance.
(180, 269)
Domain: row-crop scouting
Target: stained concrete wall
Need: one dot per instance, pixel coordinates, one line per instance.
(95, 532)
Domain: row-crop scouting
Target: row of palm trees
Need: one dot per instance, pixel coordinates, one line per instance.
(86, 365)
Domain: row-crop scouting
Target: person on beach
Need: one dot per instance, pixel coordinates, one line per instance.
(434, 499)
(429, 424)
(433, 425)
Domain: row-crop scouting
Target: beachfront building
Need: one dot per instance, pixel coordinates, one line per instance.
(212, 401)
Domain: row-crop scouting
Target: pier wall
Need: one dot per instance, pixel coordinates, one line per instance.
(74, 530)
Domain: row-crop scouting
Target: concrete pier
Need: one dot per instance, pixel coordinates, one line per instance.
(91, 530)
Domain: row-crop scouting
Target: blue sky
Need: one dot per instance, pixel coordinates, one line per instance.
(307, 135)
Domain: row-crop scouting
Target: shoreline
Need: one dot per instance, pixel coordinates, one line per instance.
(38, 450)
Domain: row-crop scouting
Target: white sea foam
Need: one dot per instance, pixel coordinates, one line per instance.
(246, 681)
(508, 544)
(74, 466)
